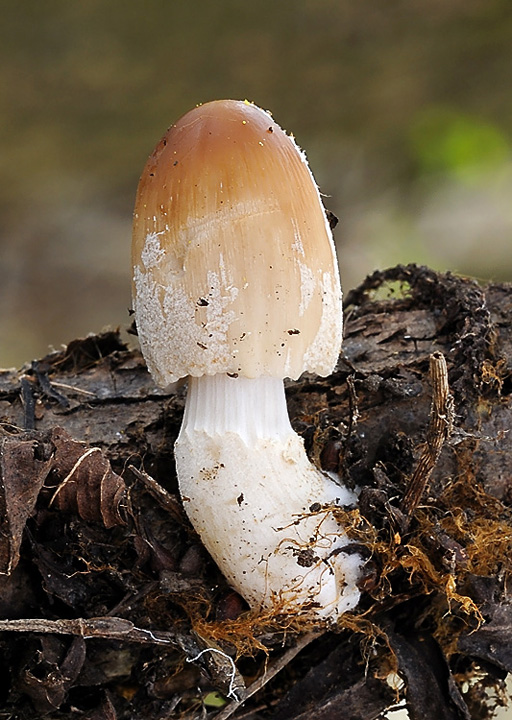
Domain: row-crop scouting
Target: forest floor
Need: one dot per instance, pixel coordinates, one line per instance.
(111, 609)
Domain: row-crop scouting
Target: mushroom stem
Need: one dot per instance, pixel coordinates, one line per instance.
(252, 408)
(263, 511)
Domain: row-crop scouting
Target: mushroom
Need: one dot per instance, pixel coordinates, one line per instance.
(236, 286)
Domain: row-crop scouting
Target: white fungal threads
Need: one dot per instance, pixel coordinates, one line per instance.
(232, 692)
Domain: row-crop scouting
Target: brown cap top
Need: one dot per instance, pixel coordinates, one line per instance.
(234, 263)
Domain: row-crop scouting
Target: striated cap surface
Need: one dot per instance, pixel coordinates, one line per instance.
(234, 264)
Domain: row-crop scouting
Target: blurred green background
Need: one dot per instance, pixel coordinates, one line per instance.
(403, 107)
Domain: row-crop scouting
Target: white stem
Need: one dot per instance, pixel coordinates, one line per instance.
(254, 409)
(253, 496)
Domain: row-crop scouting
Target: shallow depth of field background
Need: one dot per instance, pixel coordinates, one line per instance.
(404, 109)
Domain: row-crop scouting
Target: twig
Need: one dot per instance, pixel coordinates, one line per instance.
(439, 429)
(73, 388)
(29, 403)
(41, 373)
(353, 416)
(107, 628)
(164, 498)
(273, 669)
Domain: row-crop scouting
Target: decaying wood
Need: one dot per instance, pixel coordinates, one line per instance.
(439, 429)
(110, 607)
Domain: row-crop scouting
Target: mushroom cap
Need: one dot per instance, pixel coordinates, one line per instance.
(234, 264)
